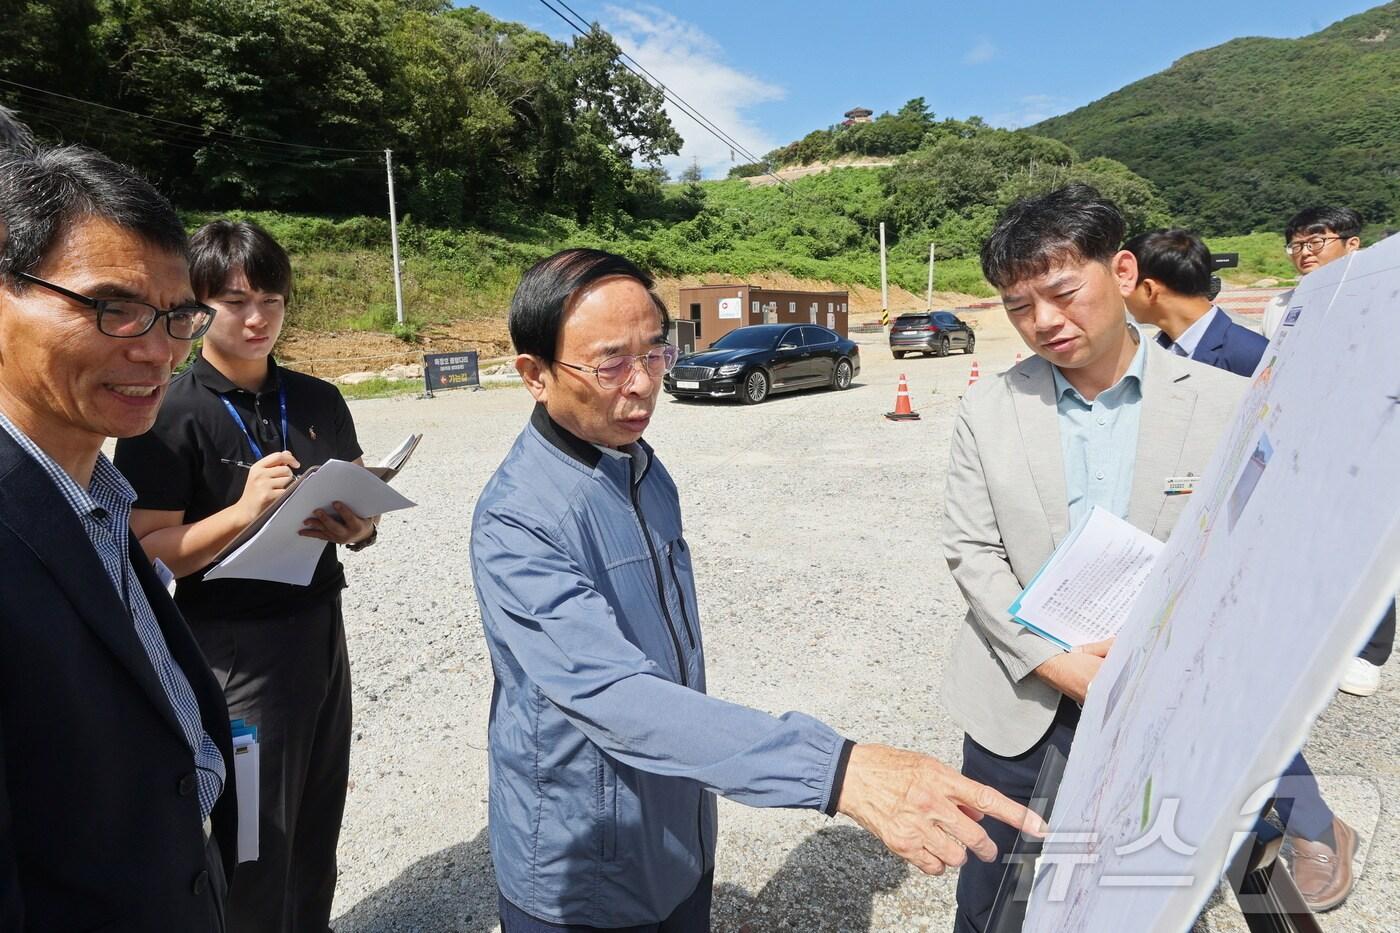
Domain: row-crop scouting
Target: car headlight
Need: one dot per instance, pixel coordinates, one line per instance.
(729, 369)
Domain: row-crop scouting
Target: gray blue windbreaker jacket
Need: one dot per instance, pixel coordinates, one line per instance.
(605, 751)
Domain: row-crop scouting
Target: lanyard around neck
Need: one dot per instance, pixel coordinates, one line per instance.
(233, 413)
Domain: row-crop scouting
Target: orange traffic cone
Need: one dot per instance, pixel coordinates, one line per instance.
(903, 411)
(974, 374)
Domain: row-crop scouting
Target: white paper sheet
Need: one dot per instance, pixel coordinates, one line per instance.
(246, 764)
(1084, 591)
(278, 553)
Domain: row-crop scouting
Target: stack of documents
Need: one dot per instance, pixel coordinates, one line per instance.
(245, 774)
(1084, 591)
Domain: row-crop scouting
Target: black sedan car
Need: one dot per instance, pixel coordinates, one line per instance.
(750, 363)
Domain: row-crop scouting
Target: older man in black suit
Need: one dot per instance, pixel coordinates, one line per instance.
(116, 784)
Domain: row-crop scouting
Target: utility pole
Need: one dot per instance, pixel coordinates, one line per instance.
(394, 236)
(884, 282)
(930, 276)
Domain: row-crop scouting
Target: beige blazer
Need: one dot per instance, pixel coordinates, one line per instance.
(1006, 510)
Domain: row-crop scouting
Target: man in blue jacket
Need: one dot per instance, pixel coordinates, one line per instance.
(1173, 294)
(605, 751)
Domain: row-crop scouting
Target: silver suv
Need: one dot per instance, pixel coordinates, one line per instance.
(936, 332)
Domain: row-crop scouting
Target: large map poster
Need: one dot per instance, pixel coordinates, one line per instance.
(1273, 578)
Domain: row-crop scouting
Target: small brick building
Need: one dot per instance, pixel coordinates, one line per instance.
(718, 309)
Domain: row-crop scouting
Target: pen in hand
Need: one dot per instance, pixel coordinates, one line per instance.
(237, 463)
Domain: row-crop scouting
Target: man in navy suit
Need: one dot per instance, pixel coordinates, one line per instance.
(1172, 294)
(116, 767)
(1173, 284)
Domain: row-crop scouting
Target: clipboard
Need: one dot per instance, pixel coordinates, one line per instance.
(389, 468)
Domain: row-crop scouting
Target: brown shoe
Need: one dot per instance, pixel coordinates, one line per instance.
(1323, 875)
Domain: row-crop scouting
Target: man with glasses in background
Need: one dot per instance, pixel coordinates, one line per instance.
(1322, 867)
(605, 752)
(116, 777)
(1314, 237)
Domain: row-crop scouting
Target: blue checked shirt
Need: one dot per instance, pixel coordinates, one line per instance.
(104, 509)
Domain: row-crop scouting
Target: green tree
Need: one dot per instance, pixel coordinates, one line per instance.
(293, 71)
(957, 174)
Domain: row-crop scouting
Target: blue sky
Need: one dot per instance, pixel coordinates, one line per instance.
(768, 73)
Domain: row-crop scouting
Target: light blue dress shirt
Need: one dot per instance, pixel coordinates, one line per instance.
(1098, 440)
(1190, 338)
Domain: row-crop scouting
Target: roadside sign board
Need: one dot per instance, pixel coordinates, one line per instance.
(450, 371)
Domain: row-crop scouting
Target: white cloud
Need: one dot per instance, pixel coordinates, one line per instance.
(691, 65)
(1030, 109)
(981, 53)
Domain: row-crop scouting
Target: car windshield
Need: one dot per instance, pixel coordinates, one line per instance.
(747, 338)
(905, 320)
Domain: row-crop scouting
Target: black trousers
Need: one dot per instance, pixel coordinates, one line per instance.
(217, 887)
(1015, 777)
(1377, 650)
(290, 677)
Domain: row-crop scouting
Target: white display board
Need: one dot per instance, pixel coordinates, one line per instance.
(1274, 577)
(731, 308)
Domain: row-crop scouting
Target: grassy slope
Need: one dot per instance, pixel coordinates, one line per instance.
(823, 231)
(1256, 127)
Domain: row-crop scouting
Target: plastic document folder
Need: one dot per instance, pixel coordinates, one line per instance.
(245, 772)
(1084, 591)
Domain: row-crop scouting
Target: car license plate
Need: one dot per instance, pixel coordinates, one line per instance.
(681, 384)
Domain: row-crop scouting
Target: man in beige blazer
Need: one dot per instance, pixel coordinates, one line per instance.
(1098, 416)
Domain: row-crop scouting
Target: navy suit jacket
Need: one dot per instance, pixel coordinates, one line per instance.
(1227, 345)
(99, 816)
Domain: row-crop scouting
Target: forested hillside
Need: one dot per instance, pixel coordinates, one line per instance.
(289, 104)
(507, 145)
(1239, 136)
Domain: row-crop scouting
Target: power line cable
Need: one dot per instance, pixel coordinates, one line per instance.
(690, 109)
(199, 129)
(56, 114)
(105, 132)
(812, 197)
(702, 121)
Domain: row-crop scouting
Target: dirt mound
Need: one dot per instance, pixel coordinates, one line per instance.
(333, 353)
(816, 168)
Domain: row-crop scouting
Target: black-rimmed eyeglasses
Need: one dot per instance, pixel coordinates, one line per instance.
(124, 317)
(617, 371)
(1312, 244)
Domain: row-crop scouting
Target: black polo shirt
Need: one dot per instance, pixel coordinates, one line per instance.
(177, 466)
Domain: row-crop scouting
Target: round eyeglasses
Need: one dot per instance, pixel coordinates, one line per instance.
(125, 317)
(618, 371)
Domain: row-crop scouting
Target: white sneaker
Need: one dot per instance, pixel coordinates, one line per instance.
(1362, 678)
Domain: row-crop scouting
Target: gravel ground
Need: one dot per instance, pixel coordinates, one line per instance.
(824, 592)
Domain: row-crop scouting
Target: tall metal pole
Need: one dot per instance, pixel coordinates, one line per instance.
(394, 236)
(930, 276)
(884, 281)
